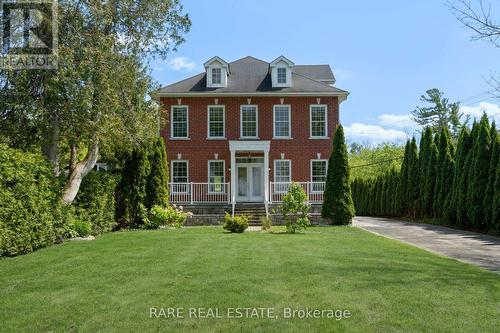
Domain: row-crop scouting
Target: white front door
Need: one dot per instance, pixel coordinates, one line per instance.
(250, 180)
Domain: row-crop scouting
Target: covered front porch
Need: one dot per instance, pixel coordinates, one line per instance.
(249, 181)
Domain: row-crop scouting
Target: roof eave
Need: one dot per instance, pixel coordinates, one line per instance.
(341, 94)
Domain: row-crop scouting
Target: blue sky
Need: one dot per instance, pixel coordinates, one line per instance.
(385, 53)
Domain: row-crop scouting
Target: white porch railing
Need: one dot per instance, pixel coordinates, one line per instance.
(221, 192)
(314, 191)
(200, 192)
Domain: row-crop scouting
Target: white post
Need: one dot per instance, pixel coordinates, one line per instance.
(233, 179)
(191, 191)
(308, 192)
(266, 178)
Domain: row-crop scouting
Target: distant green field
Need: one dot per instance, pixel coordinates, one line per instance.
(111, 284)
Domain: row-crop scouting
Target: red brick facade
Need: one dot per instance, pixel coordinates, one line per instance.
(300, 149)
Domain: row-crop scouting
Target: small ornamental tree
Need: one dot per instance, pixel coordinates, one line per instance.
(337, 199)
(295, 209)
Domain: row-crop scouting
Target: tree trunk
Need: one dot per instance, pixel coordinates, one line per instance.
(50, 147)
(78, 171)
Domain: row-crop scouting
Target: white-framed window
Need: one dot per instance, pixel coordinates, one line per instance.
(282, 175)
(216, 121)
(281, 116)
(249, 121)
(318, 175)
(281, 73)
(180, 176)
(216, 176)
(318, 121)
(179, 122)
(216, 75)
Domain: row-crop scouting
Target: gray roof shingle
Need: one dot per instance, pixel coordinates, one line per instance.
(251, 75)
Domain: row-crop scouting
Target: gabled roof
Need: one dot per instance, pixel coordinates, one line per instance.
(218, 59)
(281, 58)
(250, 76)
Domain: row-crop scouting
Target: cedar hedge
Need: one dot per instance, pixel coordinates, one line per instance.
(459, 185)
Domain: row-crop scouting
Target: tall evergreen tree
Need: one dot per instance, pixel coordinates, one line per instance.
(479, 169)
(402, 203)
(157, 186)
(490, 190)
(441, 114)
(430, 179)
(337, 199)
(444, 171)
(413, 179)
(144, 183)
(455, 202)
(463, 203)
(495, 215)
(423, 161)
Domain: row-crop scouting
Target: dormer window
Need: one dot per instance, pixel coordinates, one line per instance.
(281, 75)
(216, 75)
(281, 72)
(217, 72)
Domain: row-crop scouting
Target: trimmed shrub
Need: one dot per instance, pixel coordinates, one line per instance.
(295, 209)
(236, 224)
(171, 216)
(30, 216)
(95, 202)
(81, 228)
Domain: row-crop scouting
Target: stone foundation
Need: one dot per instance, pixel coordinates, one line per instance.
(213, 214)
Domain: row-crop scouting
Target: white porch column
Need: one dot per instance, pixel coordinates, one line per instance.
(233, 178)
(266, 176)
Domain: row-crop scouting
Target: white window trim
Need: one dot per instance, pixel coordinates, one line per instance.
(223, 177)
(275, 168)
(256, 122)
(310, 122)
(172, 137)
(208, 122)
(172, 175)
(212, 76)
(311, 173)
(278, 77)
(289, 122)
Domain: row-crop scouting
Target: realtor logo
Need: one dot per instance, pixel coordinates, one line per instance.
(28, 32)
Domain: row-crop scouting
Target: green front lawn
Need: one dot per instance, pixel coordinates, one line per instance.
(111, 283)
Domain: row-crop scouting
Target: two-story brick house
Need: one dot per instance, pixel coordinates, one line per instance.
(243, 131)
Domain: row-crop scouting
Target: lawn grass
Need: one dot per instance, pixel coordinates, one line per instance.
(110, 284)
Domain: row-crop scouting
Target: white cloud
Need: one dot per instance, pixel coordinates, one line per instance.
(478, 110)
(181, 63)
(374, 133)
(397, 120)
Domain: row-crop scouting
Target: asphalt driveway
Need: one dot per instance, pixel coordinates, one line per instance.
(470, 247)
